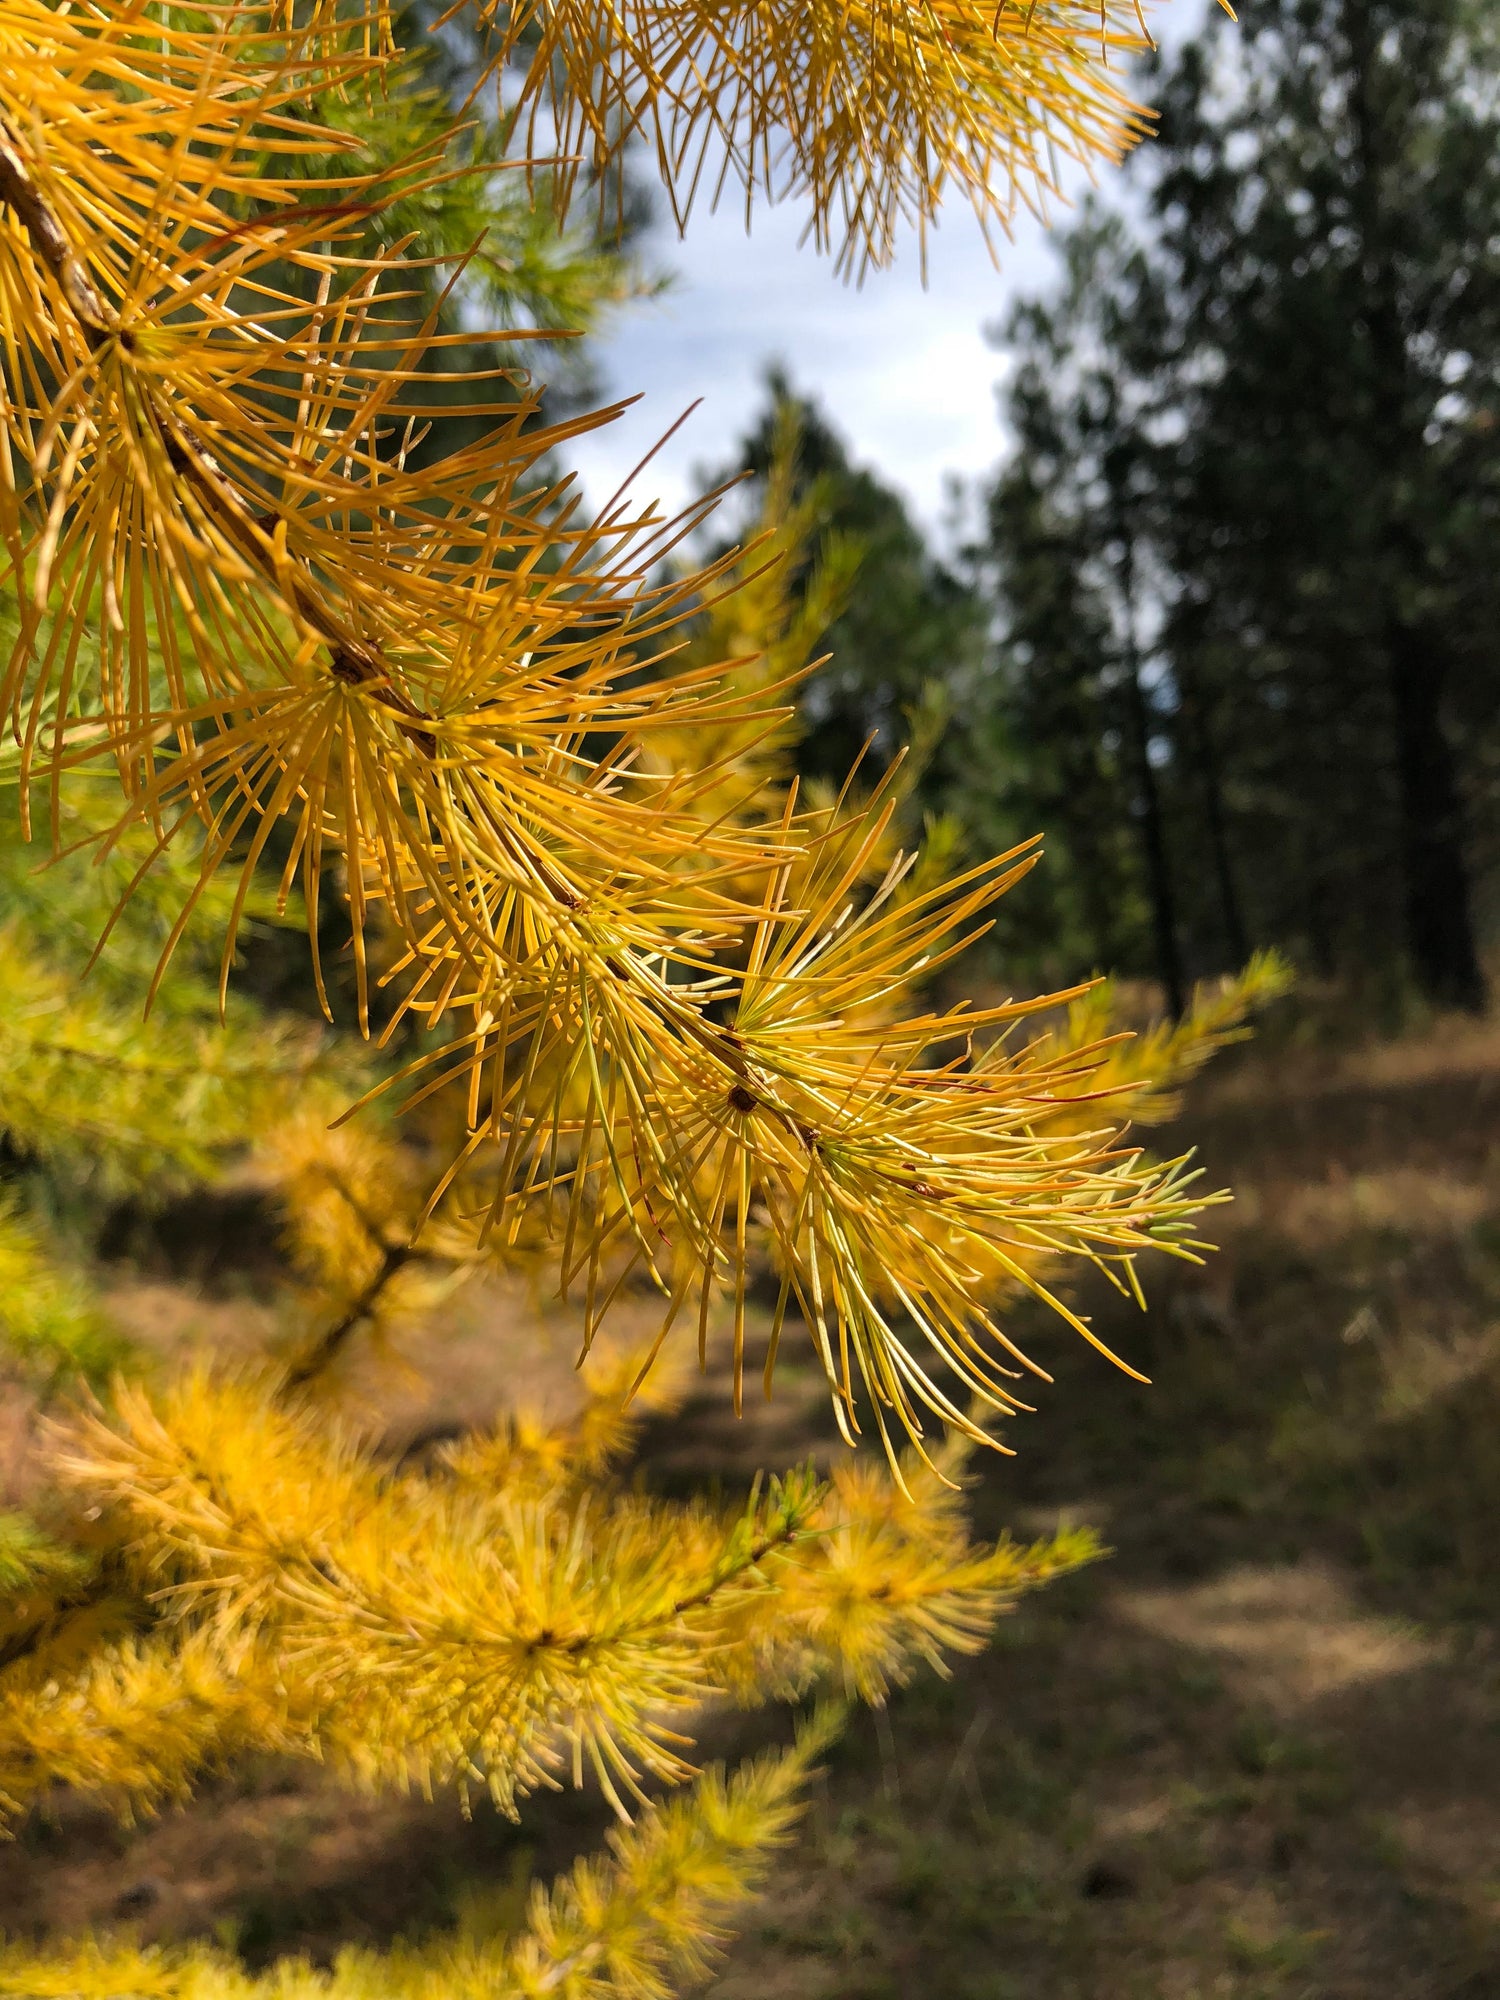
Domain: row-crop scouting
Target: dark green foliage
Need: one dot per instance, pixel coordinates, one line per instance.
(1226, 633)
(910, 626)
(1074, 678)
(1254, 436)
(1040, 757)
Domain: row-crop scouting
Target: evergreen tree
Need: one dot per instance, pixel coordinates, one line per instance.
(1297, 347)
(1071, 557)
(1344, 292)
(1041, 717)
(904, 638)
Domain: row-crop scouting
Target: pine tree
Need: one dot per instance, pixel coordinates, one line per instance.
(653, 1013)
(1288, 347)
(1357, 219)
(903, 639)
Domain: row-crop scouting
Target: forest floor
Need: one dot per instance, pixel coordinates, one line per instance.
(1253, 1756)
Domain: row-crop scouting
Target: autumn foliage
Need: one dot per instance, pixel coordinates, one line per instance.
(659, 1017)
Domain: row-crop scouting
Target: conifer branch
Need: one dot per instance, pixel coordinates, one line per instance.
(321, 1352)
(870, 115)
(680, 1042)
(653, 1916)
(353, 662)
(630, 1927)
(435, 1633)
(19, 192)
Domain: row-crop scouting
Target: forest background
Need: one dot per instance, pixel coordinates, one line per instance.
(1221, 622)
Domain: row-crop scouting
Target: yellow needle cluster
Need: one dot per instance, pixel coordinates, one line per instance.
(681, 1034)
(631, 1926)
(869, 111)
(503, 1621)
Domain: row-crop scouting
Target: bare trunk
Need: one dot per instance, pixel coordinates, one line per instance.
(1151, 823)
(1439, 927)
(1205, 755)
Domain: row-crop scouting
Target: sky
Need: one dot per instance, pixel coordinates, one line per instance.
(905, 374)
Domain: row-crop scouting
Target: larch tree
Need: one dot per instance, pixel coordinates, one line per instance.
(278, 642)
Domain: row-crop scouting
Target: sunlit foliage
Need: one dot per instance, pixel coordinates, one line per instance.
(658, 1019)
(872, 112)
(682, 1038)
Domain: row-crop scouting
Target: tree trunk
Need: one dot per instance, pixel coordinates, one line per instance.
(1149, 817)
(1154, 847)
(1205, 753)
(1439, 927)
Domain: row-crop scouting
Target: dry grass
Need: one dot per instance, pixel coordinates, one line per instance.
(1257, 1754)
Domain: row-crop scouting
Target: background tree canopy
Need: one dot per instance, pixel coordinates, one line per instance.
(1226, 629)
